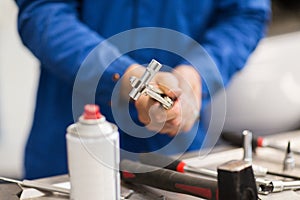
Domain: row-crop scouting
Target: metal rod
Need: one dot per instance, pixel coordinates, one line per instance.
(247, 138)
(201, 171)
(37, 185)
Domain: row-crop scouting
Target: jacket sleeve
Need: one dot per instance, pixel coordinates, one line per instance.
(51, 29)
(234, 32)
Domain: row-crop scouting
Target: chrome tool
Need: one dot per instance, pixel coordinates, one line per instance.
(267, 187)
(289, 160)
(141, 86)
(37, 185)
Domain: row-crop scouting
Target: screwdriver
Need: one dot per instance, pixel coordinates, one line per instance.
(257, 141)
(266, 187)
(174, 164)
(289, 161)
(37, 185)
(167, 162)
(165, 179)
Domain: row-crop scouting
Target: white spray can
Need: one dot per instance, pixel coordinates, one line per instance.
(93, 157)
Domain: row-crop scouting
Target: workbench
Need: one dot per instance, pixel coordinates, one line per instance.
(267, 157)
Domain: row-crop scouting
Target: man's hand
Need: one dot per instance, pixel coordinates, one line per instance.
(152, 114)
(181, 116)
(190, 99)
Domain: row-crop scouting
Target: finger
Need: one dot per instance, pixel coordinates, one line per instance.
(167, 82)
(151, 111)
(174, 129)
(173, 93)
(160, 115)
(188, 121)
(175, 113)
(187, 127)
(175, 122)
(143, 104)
(169, 126)
(163, 128)
(157, 114)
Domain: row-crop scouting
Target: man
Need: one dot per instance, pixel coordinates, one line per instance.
(62, 35)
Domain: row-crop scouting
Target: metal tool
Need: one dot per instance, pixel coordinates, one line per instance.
(260, 171)
(236, 181)
(247, 139)
(267, 187)
(180, 166)
(127, 195)
(235, 178)
(237, 139)
(142, 192)
(289, 161)
(10, 191)
(168, 180)
(142, 86)
(37, 185)
(174, 164)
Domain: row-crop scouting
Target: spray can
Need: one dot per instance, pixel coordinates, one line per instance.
(93, 157)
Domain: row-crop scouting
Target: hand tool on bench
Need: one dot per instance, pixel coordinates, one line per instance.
(267, 187)
(235, 178)
(259, 170)
(168, 180)
(236, 181)
(257, 141)
(174, 164)
(37, 185)
(289, 160)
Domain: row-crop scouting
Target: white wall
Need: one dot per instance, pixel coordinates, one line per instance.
(18, 78)
(265, 96)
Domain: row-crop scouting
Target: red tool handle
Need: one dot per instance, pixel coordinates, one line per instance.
(237, 139)
(168, 180)
(162, 161)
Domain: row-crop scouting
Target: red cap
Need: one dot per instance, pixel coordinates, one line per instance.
(91, 111)
(260, 142)
(180, 167)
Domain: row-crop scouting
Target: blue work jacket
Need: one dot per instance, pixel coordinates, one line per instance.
(62, 33)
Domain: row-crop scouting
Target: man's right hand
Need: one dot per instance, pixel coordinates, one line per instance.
(150, 112)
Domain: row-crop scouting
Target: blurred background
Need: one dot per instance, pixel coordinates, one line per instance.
(264, 97)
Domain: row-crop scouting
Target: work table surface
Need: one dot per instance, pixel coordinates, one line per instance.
(267, 157)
